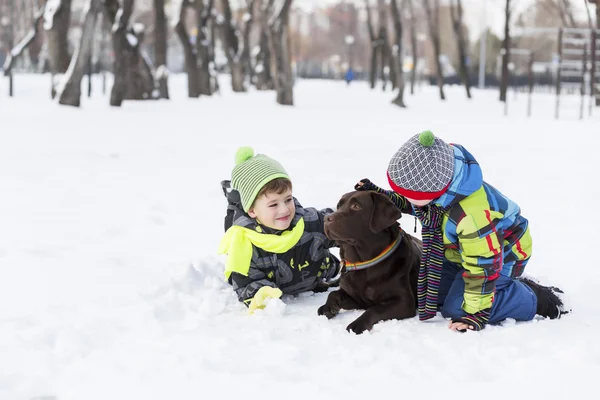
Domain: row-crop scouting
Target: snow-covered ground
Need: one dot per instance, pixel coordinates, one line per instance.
(110, 286)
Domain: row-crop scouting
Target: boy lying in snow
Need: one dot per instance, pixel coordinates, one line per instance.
(273, 244)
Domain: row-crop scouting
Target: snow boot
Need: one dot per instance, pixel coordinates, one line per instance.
(550, 303)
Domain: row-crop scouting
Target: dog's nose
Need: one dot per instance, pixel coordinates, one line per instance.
(329, 218)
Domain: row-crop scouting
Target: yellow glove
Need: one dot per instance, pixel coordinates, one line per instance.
(262, 295)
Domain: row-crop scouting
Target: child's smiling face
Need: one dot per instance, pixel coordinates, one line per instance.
(274, 210)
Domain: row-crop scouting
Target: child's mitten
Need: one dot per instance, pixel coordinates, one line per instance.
(365, 184)
(262, 296)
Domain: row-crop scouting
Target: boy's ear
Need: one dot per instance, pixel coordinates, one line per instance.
(251, 213)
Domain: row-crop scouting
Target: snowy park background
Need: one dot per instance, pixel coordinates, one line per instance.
(110, 286)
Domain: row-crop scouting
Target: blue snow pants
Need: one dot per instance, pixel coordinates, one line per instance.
(513, 298)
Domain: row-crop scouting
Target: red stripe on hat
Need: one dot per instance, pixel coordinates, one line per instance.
(416, 195)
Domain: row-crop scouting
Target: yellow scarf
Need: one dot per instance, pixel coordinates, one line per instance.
(237, 244)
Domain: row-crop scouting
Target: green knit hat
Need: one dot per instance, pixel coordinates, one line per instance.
(252, 172)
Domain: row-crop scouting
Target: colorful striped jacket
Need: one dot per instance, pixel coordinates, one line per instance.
(483, 231)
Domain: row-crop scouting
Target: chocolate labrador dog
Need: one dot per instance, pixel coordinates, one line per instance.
(381, 262)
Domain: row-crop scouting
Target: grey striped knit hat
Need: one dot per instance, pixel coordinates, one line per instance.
(252, 172)
(422, 168)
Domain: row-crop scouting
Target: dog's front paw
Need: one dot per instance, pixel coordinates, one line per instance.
(359, 326)
(327, 311)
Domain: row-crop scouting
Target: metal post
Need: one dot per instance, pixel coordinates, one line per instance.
(531, 83)
(482, 58)
(507, 85)
(560, 39)
(90, 76)
(594, 43)
(583, 72)
(11, 43)
(482, 47)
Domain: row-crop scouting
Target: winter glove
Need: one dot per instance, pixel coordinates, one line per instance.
(262, 296)
(478, 320)
(366, 184)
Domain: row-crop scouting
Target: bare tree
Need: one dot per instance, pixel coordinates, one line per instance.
(589, 15)
(57, 19)
(211, 12)
(397, 52)
(562, 9)
(279, 42)
(25, 42)
(203, 45)
(433, 22)
(597, 14)
(234, 47)
(263, 78)
(597, 40)
(413, 45)
(376, 46)
(160, 43)
(386, 52)
(456, 13)
(248, 19)
(133, 78)
(191, 61)
(505, 51)
(69, 91)
(199, 59)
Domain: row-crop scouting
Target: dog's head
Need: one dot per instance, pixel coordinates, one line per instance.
(360, 216)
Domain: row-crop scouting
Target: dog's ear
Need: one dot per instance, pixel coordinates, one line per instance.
(385, 213)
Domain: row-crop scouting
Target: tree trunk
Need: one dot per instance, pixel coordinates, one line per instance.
(373, 67)
(434, 31)
(397, 55)
(204, 16)
(70, 92)
(248, 21)
(234, 49)
(263, 77)
(375, 47)
(413, 44)
(382, 62)
(279, 39)
(133, 78)
(214, 81)
(238, 74)
(191, 62)
(456, 13)
(386, 61)
(160, 43)
(31, 36)
(505, 52)
(385, 51)
(57, 18)
(567, 12)
(597, 41)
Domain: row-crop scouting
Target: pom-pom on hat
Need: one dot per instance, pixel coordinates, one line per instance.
(422, 168)
(252, 172)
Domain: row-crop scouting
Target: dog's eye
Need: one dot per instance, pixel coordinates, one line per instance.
(355, 206)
